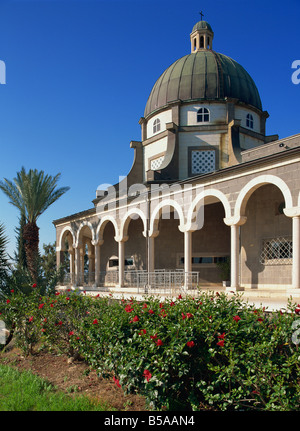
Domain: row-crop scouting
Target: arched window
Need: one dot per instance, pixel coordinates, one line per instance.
(250, 121)
(203, 115)
(201, 42)
(156, 125)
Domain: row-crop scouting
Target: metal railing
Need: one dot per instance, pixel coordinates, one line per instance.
(161, 281)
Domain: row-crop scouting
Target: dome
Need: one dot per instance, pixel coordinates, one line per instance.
(202, 25)
(204, 75)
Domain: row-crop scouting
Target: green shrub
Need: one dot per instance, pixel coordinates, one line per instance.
(212, 351)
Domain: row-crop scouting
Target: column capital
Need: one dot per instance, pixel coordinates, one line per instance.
(121, 238)
(97, 242)
(292, 212)
(235, 220)
(153, 233)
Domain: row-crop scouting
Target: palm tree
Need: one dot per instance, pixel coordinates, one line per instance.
(32, 193)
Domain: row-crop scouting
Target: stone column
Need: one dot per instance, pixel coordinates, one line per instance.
(234, 257)
(296, 253)
(151, 265)
(294, 213)
(235, 223)
(121, 250)
(97, 265)
(59, 258)
(72, 262)
(187, 257)
(77, 266)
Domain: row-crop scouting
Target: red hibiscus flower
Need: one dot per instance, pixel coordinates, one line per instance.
(117, 382)
(142, 331)
(190, 343)
(60, 323)
(57, 293)
(7, 301)
(189, 315)
(222, 336)
(128, 308)
(41, 305)
(179, 297)
(260, 319)
(151, 311)
(183, 316)
(34, 285)
(236, 318)
(30, 319)
(147, 375)
(145, 306)
(220, 343)
(95, 322)
(135, 319)
(71, 333)
(153, 337)
(159, 342)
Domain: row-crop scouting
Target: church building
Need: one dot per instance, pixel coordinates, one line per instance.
(208, 189)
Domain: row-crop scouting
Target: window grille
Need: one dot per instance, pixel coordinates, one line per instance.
(203, 161)
(156, 163)
(277, 251)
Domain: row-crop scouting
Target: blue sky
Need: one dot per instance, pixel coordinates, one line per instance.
(79, 72)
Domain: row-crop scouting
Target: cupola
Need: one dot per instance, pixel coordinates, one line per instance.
(201, 37)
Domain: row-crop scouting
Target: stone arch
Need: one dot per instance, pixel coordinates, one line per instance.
(128, 217)
(66, 230)
(155, 216)
(253, 185)
(81, 227)
(190, 225)
(101, 226)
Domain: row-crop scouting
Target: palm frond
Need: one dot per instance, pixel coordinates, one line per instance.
(32, 192)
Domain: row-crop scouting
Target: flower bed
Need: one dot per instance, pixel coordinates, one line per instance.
(209, 352)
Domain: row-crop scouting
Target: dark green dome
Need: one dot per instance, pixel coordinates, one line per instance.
(202, 25)
(203, 76)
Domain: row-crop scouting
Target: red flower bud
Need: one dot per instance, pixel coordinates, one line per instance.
(190, 343)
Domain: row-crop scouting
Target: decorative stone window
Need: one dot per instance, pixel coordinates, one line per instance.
(203, 115)
(155, 164)
(202, 161)
(205, 260)
(249, 121)
(114, 262)
(156, 125)
(277, 251)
